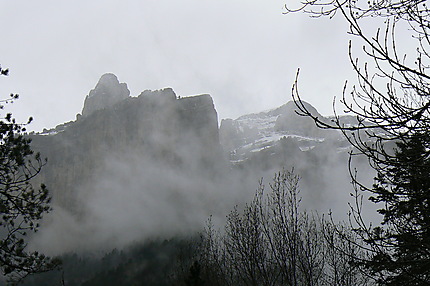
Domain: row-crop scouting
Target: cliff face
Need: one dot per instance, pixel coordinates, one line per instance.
(137, 167)
(155, 128)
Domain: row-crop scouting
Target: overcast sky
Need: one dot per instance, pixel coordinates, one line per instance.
(244, 53)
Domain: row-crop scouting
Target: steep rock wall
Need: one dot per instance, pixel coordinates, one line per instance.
(155, 128)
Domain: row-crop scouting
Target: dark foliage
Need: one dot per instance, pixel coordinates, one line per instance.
(21, 205)
(150, 263)
(194, 278)
(401, 245)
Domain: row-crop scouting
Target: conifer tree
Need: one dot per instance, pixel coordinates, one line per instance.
(21, 204)
(402, 244)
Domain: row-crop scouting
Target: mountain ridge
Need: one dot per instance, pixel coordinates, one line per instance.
(156, 164)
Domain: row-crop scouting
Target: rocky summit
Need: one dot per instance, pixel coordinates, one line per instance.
(153, 128)
(107, 93)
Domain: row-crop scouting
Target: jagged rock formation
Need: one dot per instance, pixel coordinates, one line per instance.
(154, 128)
(107, 93)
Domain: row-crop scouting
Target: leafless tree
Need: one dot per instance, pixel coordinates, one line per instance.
(272, 241)
(391, 105)
(391, 99)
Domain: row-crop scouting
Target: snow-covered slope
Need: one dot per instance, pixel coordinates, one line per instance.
(262, 131)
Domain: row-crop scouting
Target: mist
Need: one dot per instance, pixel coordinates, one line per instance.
(132, 200)
(131, 169)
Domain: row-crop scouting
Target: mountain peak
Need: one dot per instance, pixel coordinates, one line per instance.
(290, 108)
(107, 92)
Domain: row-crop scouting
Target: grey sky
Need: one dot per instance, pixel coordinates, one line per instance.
(243, 52)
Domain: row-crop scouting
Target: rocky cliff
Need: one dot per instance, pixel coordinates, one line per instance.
(153, 128)
(154, 164)
(161, 132)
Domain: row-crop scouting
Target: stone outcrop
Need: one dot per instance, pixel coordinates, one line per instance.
(154, 128)
(107, 93)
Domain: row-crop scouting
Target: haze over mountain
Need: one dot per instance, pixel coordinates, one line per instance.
(154, 165)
